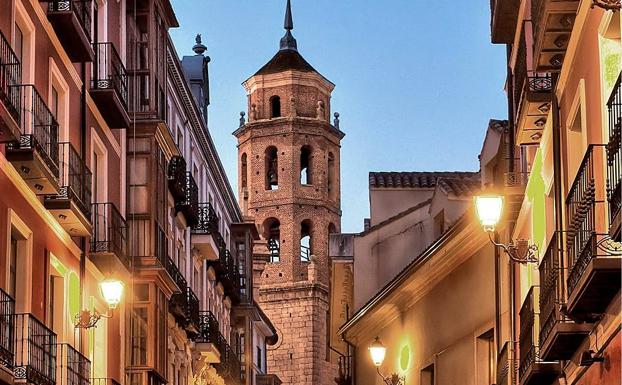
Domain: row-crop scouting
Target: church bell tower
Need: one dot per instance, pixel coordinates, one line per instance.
(288, 167)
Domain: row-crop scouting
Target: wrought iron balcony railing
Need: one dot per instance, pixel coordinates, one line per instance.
(185, 306)
(39, 126)
(614, 154)
(209, 330)
(82, 9)
(109, 231)
(551, 297)
(176, 275)
(75, 179)
(229, 366)
(109, 73)
(7, 330)
(10, 76)
(208, 221)
(176, 175)
(35, 351)
(189, 205)
(586, 192)
(74, 368)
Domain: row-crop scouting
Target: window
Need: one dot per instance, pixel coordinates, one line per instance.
(272, 168)
(275, 106)
(138, 336)
(272, 233)
(439, 224)
(12, 266)
(243, 170)
(305, 241)
(427, 375)
(54, 102)
(19, 44)
(332, 190)
(485, 358)
(259, 357)
(305, 165)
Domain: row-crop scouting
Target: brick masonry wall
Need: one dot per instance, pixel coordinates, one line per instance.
(293, 293)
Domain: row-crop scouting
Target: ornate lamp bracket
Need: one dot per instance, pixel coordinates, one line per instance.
(393, 379)
(87, 319)
(609, 5)
(521, 252)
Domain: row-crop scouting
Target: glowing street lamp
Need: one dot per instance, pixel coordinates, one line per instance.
(489, 209)
(111, 291)
(377, 351)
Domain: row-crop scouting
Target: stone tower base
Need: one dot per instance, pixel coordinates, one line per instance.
(299, 311)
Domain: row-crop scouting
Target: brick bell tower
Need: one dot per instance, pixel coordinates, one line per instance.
(288, 154)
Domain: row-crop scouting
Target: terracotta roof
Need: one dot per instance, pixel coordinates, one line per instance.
(461, 186)
(285, 59)
(414, 179)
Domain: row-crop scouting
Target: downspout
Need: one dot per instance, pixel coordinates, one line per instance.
(83, 242)
(557, 171)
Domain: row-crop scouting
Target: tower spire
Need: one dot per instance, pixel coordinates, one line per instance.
(288, 41)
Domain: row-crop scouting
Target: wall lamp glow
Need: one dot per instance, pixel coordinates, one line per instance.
(377, 352)
(489, 209)
(112, 291)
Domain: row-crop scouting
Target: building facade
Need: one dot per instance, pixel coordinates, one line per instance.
(108, 173)
(289, 184)
(424, 276)
(563, 87)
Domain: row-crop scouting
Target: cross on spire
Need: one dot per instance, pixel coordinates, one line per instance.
(288, 41)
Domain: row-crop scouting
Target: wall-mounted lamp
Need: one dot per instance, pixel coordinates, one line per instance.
(377, 352)
(489, 209)
(112, 291)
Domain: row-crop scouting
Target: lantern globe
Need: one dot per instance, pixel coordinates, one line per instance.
(112, 291)
(489, 209)
(377, 352)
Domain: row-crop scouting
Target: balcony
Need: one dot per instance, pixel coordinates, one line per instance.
(72, 205)
(614, 161)
(104, 381)
(267, 379)
(176, 175)
(108, 249)
(35, 155)
(189, 205)
(227, 272)
(552, 24)
(7, 330)
(35, 351)
(514, 184)
(73, 367)
(204, 238)
(532, 96)
(109, 85)
(532, 369)
(559, 336)
(503, 19)
(594, 260)
(71, 20)
(209, 341)
(506, 366)
(229, 366)
(187, 314)
(10, 76)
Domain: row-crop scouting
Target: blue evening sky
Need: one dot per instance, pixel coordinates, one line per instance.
(416, 80)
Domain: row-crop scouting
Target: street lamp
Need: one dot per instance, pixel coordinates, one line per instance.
(112, 291)
(377, 352)
(489, 208)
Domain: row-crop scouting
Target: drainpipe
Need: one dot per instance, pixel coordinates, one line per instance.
(83, 242)
(557, 169)
(510, 80)
(351, 353)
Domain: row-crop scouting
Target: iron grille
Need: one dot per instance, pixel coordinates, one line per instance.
(614, 151)
(74, 368)
(109, 231)
(10, 75)
(7, 329)
(109, 73)
(75, 179)
(39, 126)
(82, 9)
(35, 351)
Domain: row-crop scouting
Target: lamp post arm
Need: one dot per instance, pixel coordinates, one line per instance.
(511, 251)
